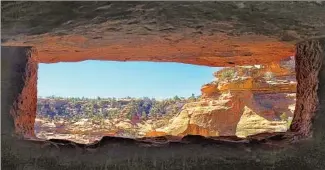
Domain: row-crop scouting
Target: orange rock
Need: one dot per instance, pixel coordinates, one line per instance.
(209, 90)
(217, 116)
(220, 114)
(245, 84)
(155, 134)
(222, 49)
(193, 129)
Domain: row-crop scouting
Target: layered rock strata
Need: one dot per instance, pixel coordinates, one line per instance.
(242, 101)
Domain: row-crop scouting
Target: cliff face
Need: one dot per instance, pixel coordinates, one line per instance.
(242, 101)
(209, 117)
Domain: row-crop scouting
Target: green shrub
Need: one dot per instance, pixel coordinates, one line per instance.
(227, 74)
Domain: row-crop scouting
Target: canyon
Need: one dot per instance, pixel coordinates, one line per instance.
(241, 101)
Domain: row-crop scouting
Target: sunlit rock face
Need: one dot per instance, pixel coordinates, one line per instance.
(209, 116)
(252, 123)
(242, 101)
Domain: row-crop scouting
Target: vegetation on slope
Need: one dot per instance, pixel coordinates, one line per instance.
(108, 108)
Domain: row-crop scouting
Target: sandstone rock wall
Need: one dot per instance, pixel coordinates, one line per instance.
(242, 101)
(220, 34)
(23, 68)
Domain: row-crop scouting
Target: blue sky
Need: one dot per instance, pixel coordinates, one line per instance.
(121, 79)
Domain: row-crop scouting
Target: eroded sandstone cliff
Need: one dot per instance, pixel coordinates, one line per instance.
(242, 101)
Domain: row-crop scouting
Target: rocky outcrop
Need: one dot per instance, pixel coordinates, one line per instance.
(209, 117)
(242, 101)
(243, 51)
(252, 123)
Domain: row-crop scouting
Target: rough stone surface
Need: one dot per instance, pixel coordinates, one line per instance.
(205, 33)
(309, 56)
(24, 106)
(251, 123)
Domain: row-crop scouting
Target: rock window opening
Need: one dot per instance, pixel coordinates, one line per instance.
(163, 99)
